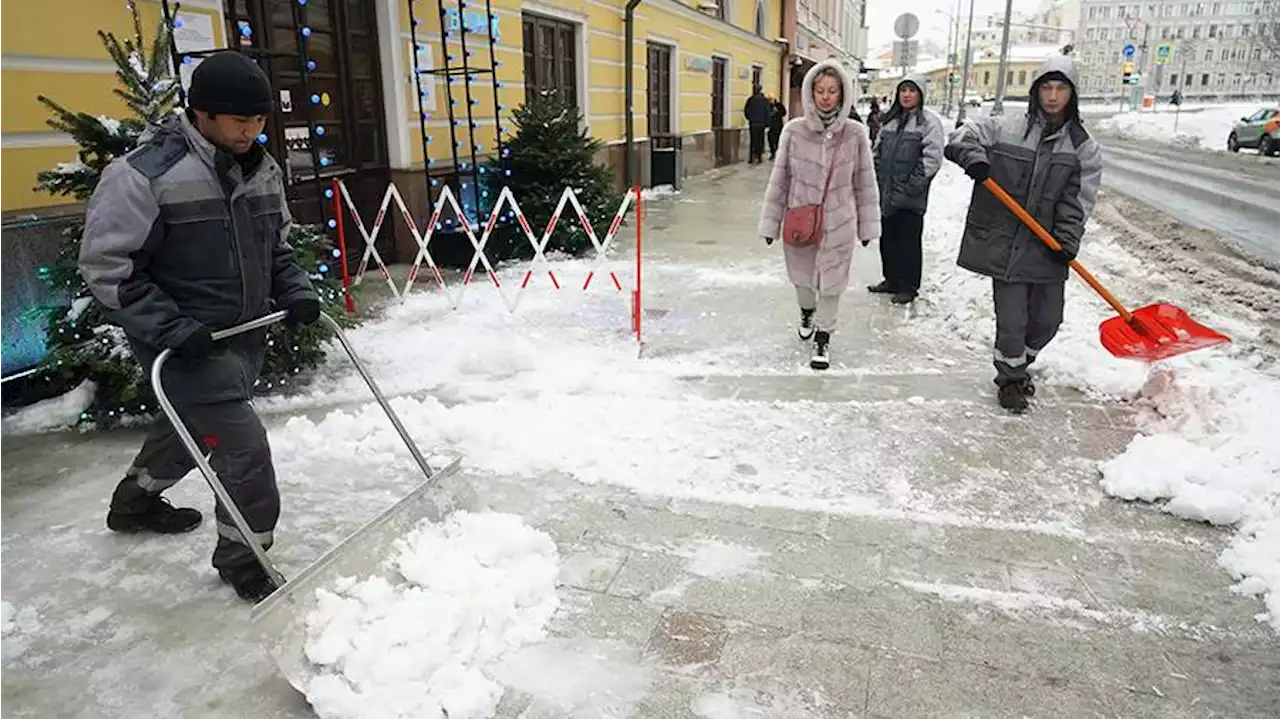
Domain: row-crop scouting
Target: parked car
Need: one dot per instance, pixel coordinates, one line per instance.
(1260, 130)
(973, 99)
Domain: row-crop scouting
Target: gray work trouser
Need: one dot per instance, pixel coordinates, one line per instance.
(240, 455)
(825, 307)
(1027, 319)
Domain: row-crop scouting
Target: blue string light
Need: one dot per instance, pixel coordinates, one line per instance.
(302, 2)
(306, 31)
(186, 59)
(328, 193)
(262, 139)
(336, 253)
(320, 130)
(315, 99)
(311, 64)
(333, 223)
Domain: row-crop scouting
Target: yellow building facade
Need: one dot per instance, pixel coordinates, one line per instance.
(374, 64)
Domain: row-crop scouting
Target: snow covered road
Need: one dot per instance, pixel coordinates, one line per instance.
(737, 536)
(1241, 202)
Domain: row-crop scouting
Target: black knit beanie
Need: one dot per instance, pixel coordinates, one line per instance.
(230, 83)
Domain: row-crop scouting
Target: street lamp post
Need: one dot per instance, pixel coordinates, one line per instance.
(997, 108)
(964, 85)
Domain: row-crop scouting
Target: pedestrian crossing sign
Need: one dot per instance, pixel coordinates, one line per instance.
(1164, 53)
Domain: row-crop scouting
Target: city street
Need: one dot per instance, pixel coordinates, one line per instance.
(736, 535)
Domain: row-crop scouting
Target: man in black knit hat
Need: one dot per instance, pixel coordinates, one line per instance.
(184, 236)
(1052, 167)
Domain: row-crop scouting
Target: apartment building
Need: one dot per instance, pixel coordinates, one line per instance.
(1216, 51)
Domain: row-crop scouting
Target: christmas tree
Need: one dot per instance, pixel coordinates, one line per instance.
(551, 151)
(82, 344)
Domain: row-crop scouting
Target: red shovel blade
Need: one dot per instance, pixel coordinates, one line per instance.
(1157, 332)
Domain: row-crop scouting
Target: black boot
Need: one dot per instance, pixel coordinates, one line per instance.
(252, 583)
(1028, 387)
(135, 510)
(806, 324)
(1012, 398)
(821, 341)
(884, 288)
(903, 298)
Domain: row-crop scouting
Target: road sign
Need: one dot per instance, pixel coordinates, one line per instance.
(905, 52)
(1128, 50)
(906, 26)
(1164, 53)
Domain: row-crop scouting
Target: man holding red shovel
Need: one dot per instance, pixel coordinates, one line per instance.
(1048, 163)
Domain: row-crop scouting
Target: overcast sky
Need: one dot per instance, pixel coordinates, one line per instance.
(881, 14)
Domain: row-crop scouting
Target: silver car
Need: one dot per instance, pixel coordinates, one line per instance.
(1260, 130)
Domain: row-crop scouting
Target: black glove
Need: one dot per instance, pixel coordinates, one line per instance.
(768, 240)
(197, 345)
(979, 171)
(1063, 255)
(303, 312)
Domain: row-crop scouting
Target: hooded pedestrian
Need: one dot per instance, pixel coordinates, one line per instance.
(756, 110)
(908, 153)
(777, 118)
(184, 236)
(1048, 162)
(824, 161)
(874, 119)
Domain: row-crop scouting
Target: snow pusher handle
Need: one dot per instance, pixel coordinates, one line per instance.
(1043, 235)
(202, 462)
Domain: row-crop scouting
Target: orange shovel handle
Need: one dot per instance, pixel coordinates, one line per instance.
(1038, 230)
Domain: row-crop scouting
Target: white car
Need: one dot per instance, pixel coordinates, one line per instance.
(973, 99)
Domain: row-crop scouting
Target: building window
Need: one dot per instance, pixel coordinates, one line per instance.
(550, 58)
(1208, 55)
(1204, 80)
(722, 9)
(760, 21)
(658, 66)
(986, 78)
(757, 76)
(1022, 77)
(1186, 81)
(1213, 31)
(1009, 80)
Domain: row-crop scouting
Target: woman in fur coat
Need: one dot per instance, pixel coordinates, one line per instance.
(823, 146)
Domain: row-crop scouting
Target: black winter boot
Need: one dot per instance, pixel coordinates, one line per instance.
(1013, 398)
(820, 360)
(252, 583)
(1028, 387)
(135, 510)
(806, 324)
(884, 288)
(903, 298)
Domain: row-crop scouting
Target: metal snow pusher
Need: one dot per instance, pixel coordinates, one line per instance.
(281, 617)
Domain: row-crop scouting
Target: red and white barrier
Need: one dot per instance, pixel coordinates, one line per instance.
(539, 244)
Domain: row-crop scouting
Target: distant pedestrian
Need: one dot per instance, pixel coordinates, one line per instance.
(824, 163)
(756, 111)
(874, 119)
(777, 118)
(1046, 160)
(908, 154)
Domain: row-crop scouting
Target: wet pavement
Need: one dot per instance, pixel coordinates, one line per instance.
(965, 564)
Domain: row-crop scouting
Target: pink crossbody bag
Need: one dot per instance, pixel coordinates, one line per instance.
(804, 225)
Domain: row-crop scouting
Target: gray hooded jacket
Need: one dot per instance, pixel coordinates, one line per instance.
(176, 238)
(908, 153)
(1055, 176)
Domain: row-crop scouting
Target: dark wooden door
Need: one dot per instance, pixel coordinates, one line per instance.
(342, 93)
(719, 83)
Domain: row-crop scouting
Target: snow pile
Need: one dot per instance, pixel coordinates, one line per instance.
(17, 626)
(659, 191)
(1206, 126)
(1208, 453)
(469, 592)
(51, 414)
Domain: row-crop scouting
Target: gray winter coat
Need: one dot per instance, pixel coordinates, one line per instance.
(908, 154)
(175, 238)
(1055, 177)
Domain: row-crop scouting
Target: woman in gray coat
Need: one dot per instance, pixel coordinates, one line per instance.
(1049, 164)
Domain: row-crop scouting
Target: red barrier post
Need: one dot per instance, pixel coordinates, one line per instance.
(638, 304)
(342, 247)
